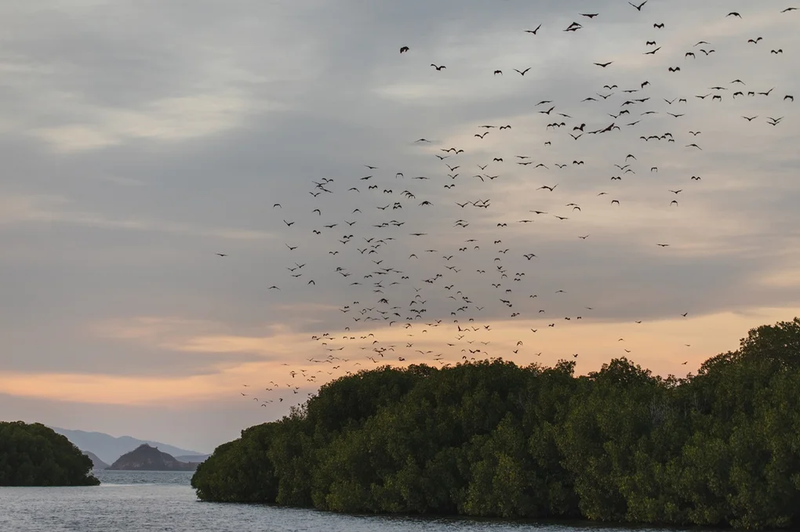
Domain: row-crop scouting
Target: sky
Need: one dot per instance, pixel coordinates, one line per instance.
(142, 138)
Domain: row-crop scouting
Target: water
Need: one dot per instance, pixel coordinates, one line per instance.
(143, 501)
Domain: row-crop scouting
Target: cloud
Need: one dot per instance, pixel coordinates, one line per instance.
(171, 119)
(138, 148)
(51, 209)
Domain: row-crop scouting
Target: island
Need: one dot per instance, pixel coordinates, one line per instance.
(35, 455)
(490, 438)
(147, 458)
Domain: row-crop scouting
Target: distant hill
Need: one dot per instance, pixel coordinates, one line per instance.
(193, 458)
(147, 458)
(96, 462)
(108, 448)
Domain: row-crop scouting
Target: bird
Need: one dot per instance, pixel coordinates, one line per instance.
(438, 67)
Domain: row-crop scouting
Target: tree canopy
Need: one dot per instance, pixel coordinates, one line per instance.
(35, 455)
(489, 438)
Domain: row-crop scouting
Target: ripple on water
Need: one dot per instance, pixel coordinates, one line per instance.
(164, 501)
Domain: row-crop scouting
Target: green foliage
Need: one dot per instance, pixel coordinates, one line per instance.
(35, 455)
(240, 471)
(721, 448)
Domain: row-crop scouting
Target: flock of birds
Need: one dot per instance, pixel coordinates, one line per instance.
(371, 234)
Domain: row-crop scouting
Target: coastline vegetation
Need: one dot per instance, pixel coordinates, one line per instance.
(35, 455)
(489, 438)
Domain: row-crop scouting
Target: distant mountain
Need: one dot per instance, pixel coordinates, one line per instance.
(108, 448)
(147, 458)
(193, 458)
(96, 462)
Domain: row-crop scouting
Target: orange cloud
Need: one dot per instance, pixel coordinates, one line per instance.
(661, 346)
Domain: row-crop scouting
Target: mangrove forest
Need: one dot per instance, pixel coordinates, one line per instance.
(490, 438)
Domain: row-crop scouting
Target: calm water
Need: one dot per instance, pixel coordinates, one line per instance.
(158, 501)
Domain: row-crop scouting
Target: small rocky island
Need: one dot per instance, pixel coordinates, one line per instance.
(147, 458)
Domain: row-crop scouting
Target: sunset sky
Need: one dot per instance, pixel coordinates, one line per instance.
(140, 138)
